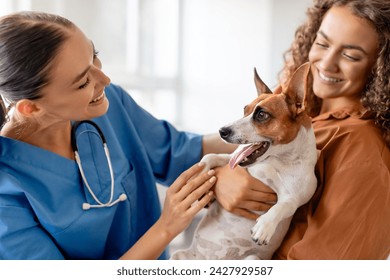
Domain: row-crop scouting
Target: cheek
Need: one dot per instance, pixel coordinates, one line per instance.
(313, 55)
(356, 74)
(77, 104)
(281, 131)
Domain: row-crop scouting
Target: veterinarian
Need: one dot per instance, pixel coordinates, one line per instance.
(72, 188)
(348, 45)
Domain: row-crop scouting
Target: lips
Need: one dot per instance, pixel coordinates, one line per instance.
(327, 78)
(249, 154)
(97, 99)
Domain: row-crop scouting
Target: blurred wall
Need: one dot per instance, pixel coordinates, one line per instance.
(209, 68)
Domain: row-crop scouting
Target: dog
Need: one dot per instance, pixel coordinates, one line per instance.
(278, 147)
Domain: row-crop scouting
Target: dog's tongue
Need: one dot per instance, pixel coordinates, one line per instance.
(241, 154)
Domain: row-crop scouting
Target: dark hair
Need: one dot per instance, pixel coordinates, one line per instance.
(29, 41)
(376, 95)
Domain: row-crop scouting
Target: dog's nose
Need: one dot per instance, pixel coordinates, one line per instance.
(225, 132)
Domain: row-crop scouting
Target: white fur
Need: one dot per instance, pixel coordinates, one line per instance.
(286, 168)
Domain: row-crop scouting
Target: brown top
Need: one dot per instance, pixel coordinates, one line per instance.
(349, 215)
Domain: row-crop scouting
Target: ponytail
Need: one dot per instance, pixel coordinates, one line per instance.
(3, 112)
(29, 42)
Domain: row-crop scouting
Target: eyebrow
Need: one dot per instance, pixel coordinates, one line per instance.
(82, 74)
(350, 47)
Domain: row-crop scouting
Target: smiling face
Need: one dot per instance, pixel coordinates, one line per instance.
(342, 57)
(76, 82)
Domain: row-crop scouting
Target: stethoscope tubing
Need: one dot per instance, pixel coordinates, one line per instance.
(109, 203)
(75, 125)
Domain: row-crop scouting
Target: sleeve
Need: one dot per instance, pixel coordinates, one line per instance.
(169, 151)
(352, 218)
(21, 236)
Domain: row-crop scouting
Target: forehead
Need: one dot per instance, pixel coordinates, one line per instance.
(73, 56)
(344, 27)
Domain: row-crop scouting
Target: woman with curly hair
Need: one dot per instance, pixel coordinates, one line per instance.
(347, 43)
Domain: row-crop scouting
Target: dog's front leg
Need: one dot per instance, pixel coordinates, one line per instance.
(285, 207)
(215, 160)
(266, 224)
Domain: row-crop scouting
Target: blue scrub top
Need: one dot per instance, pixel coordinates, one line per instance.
(41, 193)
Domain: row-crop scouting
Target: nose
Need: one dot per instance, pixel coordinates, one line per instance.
(225, 132)
(104, 78)
(100, 77)
(329, 62)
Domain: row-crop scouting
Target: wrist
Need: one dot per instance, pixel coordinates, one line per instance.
(164, 234)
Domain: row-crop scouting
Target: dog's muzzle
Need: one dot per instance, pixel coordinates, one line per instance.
(248, 154)
(225, 132)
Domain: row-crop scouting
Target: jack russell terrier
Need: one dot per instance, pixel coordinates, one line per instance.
(278, 147)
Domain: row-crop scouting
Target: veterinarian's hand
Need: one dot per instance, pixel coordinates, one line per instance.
(240, 193)
(184, 199)
(189, 194)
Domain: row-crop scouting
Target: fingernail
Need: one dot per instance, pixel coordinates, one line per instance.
(201, 164)
(212, 179)
(210, 193)
(211, 172)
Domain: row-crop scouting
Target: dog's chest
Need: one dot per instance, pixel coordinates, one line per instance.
(268, 172)
(223, 235)
(279, 175)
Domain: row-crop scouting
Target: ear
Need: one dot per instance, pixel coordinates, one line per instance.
(27, 108)
(260, 85)
(297, 88)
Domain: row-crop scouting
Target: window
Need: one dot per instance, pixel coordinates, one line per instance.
(188, 61)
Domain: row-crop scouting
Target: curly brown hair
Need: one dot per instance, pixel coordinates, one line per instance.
(376, 95)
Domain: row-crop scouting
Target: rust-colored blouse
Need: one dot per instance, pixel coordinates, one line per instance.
(349, 215)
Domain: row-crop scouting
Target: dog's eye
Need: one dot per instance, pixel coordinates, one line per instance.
(261, 116)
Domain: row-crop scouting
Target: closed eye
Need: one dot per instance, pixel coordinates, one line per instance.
(95, 54)
(321, 45)
(352, 58)
(85, 84)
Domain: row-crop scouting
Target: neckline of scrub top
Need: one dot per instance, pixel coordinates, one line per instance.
(17, 151)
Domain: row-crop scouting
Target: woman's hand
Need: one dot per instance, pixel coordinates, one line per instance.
(189, 194)
(240, 193)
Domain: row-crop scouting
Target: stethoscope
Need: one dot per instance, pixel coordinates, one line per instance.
(110, 202)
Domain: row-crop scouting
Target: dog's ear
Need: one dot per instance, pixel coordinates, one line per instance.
(297, 88)
(260, 85)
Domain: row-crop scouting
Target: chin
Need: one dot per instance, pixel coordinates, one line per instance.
(98, 111)
(326, 91)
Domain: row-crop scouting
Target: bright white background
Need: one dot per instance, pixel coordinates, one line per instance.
(188, 61)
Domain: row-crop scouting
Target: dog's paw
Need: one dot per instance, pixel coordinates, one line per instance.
(207, 160)
(262, 232)
(214, 160)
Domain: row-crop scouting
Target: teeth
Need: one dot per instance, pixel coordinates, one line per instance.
(98, 98)
(328, 79)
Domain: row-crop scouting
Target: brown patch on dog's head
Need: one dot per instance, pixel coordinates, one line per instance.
(280, 116)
